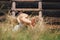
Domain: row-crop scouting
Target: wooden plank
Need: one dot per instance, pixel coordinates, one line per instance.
(40, 5)
(51, 13)
(23, 9)
(51, 5)
(4, 0)
(13, 5)
(25, 0)
(50, 0)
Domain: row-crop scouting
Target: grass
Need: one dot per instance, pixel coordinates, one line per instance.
(40, 32)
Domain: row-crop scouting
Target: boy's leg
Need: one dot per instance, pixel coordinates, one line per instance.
(17, 27)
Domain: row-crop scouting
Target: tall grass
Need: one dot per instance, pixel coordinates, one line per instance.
(39, 32)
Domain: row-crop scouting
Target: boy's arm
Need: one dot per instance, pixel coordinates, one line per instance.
(25, 20)
(18, 19)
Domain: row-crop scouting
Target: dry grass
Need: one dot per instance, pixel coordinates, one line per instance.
(39, 32)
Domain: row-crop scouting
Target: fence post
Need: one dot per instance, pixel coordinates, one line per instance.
(13, 8)
(40, 12)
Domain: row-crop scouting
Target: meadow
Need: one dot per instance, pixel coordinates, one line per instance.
(40, 31)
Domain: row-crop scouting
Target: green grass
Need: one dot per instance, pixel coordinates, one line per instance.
(30, 35)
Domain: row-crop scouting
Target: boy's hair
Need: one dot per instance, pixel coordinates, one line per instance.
(19, 12)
